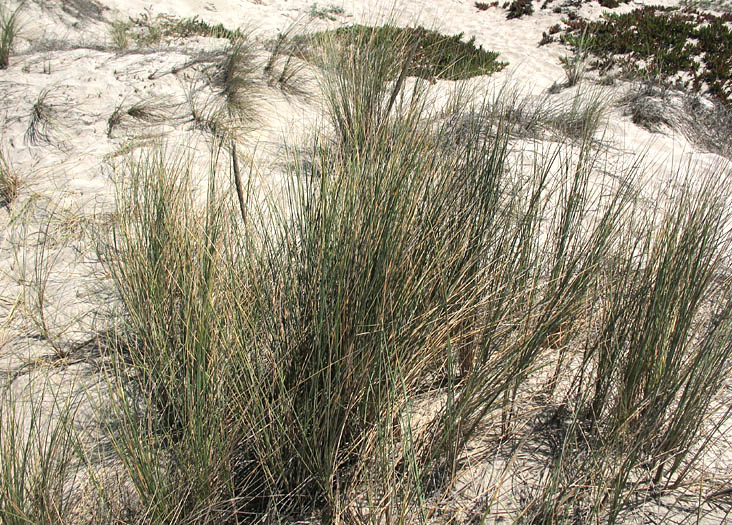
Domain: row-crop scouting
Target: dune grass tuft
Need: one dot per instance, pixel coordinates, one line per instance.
(41, 121)
(8, 180)
(37, 455)
(9, 28)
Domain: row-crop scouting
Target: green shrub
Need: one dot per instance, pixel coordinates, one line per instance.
(432, 55)
(663, 42)
(519, 8)
(326, 12)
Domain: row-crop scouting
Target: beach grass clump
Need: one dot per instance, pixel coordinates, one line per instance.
(663, 43)
(658, 353)
(225, 100)
(9, 182)
(279, 357)
(234, 78)
(647, 107)
(282, 68)
(708, 124)
(149, 112)
(433, 55)
(119, 34)
(580, 117)
(38, 456)
(41, 123)
(9, 28)
(705, 121)
(274, 364)
(576, 118)
(659, 358)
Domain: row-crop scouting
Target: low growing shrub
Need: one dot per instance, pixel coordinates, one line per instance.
(663, 42)
(432, 55)
(519, 8)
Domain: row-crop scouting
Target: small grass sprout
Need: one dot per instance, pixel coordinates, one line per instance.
(143, 111)
(41, 122)
(119, 33)
(575, 64)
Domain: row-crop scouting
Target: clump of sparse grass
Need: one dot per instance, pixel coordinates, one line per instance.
(8, 181)
(119, 32)
(234, 77)
(41, 121)
(574, 65)
(647, 106)
(287, 75)
(9, 28)
(202, 114)
(655, 357)
(37, 458)
(432, 55)
(227, 99)
(329, 12)
(704, 121)
(581, 116)
(577, 118)
(708, 124)
(146, 30)
(143, 111)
